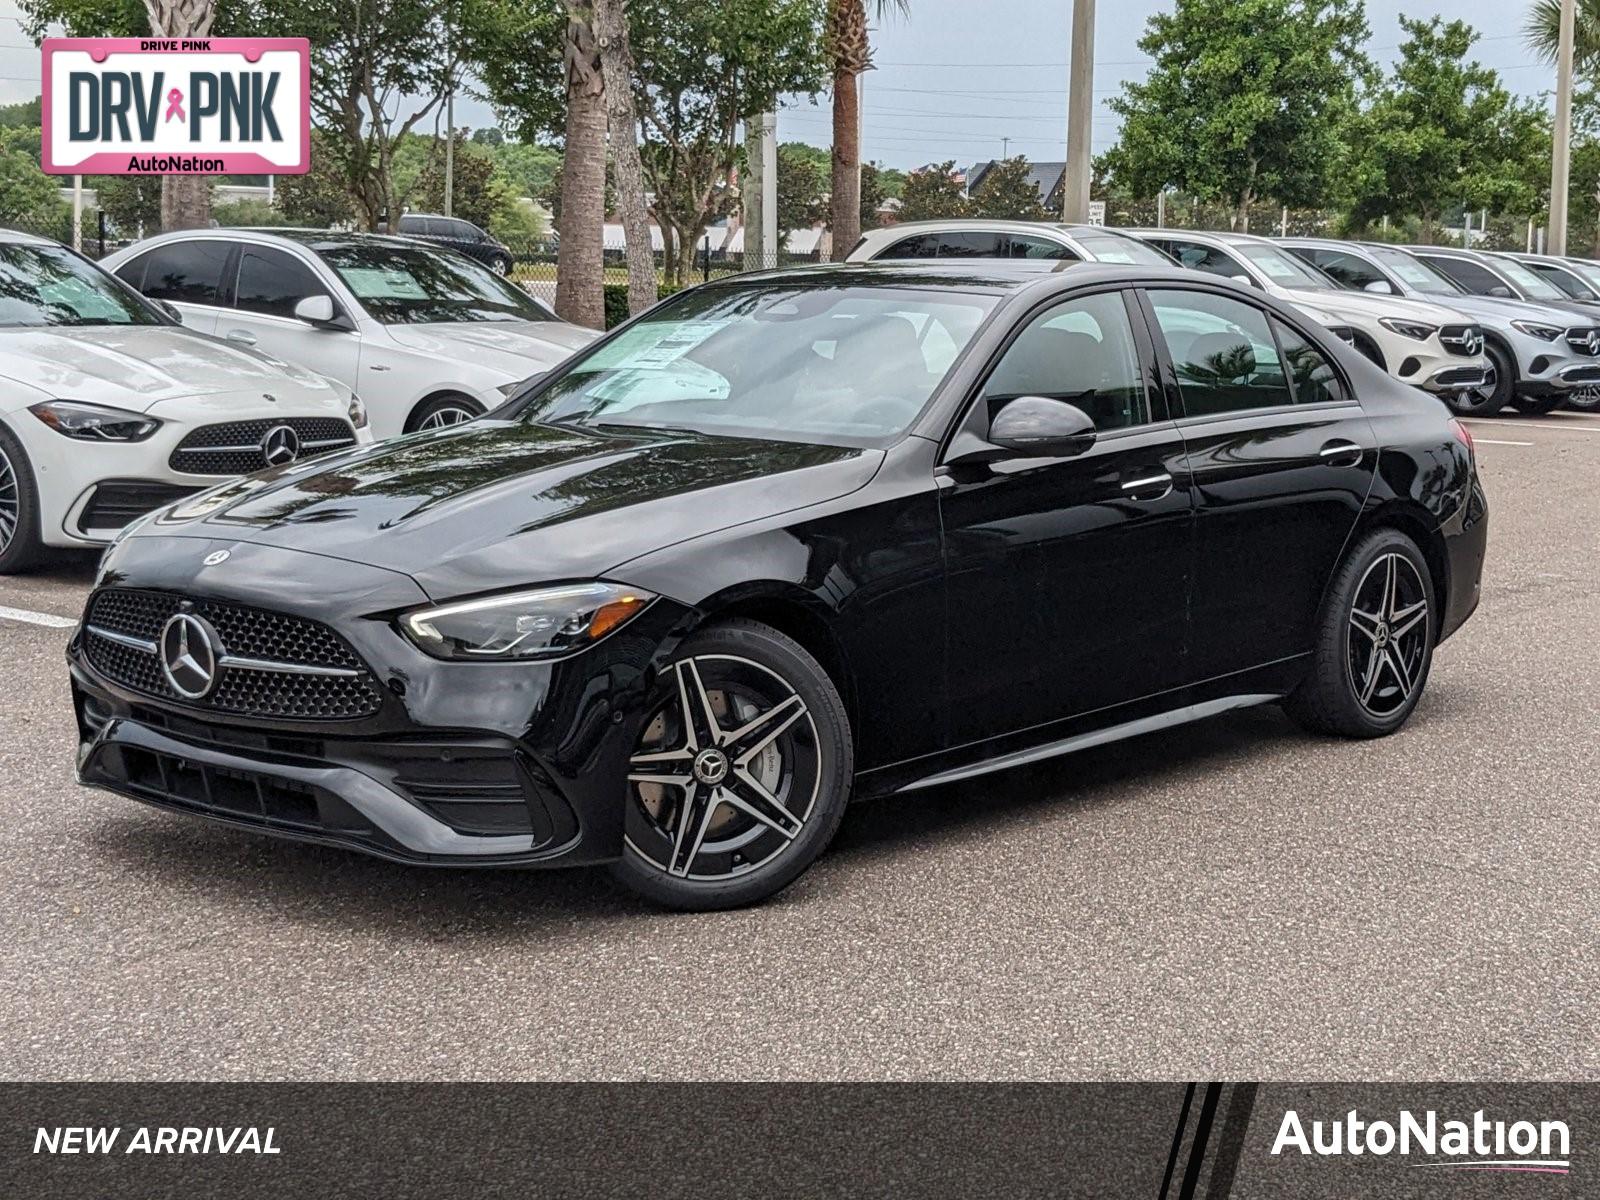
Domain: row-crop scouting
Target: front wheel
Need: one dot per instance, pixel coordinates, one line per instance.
(1374, 642)
(741, 775)
(1486, 401)
(1585, 399)
(445, 410)
(19, 507)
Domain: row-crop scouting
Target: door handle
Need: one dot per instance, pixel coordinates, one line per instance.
(240, 336)
(1152, 486)
(1341, 454)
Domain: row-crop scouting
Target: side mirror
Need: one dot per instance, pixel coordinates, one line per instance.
(1501, 291)
(1035, 427)
(170, 310)
(1380, 286)
(315, 310)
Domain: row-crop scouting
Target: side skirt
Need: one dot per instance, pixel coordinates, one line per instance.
(1097, 737)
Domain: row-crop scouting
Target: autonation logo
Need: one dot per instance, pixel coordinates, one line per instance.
(1477, 1145)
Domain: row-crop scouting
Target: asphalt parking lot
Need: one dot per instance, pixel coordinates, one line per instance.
(1232, 900)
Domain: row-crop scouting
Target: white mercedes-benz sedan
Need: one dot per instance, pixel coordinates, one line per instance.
(426, 335)
(111, 408)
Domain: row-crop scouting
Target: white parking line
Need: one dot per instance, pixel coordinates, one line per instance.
(48, 620)
(1531, 427)
(1493, 442)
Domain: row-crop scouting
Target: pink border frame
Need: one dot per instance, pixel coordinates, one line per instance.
(235, 163)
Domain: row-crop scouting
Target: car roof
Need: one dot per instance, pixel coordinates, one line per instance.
(1199, 235)
(18, 237)
(999, 276)
(1003, 224)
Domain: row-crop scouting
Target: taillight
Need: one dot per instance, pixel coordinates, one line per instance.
(1464, 436)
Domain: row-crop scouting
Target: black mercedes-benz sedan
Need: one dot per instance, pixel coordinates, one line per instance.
(784, 540)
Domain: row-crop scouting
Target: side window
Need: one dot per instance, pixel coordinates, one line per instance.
(924, 245)
(1469, 275)
(132, 272)
(1224, 352)
(1212, 261)
(273, 282)
(1023, 245)
(1315, 381)
(970, 245)
(188, 272)
(466, 231)
(1569, 284)
(1347, 268)
(1082, 352)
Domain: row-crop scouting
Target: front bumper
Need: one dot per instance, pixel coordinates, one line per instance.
(462, 764)
(1564, 380)
(1449, 380)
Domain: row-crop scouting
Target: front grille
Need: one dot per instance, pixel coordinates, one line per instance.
(1465, 340)
(1581, 375)
(118, 502)
(268, 664)
(1584, 340)
(1459, 377)
(234, 448)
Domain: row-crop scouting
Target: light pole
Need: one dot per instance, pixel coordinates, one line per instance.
(1080, 114)
(1559, 161)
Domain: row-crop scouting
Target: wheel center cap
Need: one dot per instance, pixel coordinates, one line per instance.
(1383, 635)
(711, 766)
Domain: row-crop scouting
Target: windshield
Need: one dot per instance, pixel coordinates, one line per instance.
(1282, 268)
(1530, 284)
(407, 285)
(837, 365)
(1416, 273)
(1114, 248)
(50, 285)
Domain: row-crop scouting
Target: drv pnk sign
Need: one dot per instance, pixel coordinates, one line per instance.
(170, 106)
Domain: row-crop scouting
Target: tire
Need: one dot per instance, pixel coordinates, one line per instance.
(1371, 622)
(452, 408)
(1537, 406)
(1479, 404)
(751, 829)
(1584, 399)
(500, 265)
(20, 544)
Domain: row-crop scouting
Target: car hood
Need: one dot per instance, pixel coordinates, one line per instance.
(493, 504)
(1351, 305)
(136, 367)
(519, 348)
(1498, 311)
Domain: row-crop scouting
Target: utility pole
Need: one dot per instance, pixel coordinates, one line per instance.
(1161, 209)
(760, 192)
(1080, 114)
(1005, 148)
(1559, 161)
(77, 213)
(449, 149)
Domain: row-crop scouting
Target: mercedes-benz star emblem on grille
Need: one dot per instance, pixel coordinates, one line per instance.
(280, 445)
(1591, 343)
(215, 557)
(189, 654)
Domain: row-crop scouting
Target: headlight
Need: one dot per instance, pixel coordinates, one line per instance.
(357, 412)
(94, 422)
(545, 623)
(1410, 329)
(1548, 333)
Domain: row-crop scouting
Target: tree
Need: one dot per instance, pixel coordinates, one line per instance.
(802, 188)
(580, 269)
(1542, 32)
(1443, 132)
(473, 193)
(702, 69)
(1007, 192)
(131, 203)
(933, 193)
(874, 191)
(28, 196)
(489, 135)
(1246, 100)
(627, 171)
(319, 197)
(849, 50)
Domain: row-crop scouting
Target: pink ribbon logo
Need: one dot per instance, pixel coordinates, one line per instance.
(175, 105)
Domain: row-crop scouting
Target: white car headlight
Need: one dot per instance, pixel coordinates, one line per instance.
(1410, 329)
(94, 422)
(542, 623)
(1548, 333)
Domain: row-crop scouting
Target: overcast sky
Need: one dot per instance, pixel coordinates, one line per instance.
(958, 76)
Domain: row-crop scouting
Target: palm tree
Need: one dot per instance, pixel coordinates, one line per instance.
(185, 199)
(616, 65)
(849, 54)
(1542, 31)
(580, 295)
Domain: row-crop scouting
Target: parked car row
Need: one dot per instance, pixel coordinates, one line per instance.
(1479, 330)
(195, 357)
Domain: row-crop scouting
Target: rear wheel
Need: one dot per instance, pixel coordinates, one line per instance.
(1585, 399)
(450, 409)
(19, 507)
(741, 775)
(1374, 641)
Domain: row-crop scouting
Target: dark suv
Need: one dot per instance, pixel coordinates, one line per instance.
(458, 235)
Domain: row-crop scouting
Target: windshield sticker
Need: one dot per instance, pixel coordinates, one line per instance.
(383, 283)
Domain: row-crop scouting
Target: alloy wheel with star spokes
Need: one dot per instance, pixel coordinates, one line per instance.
(741, 771)
(1388, 634)
(19, 507)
